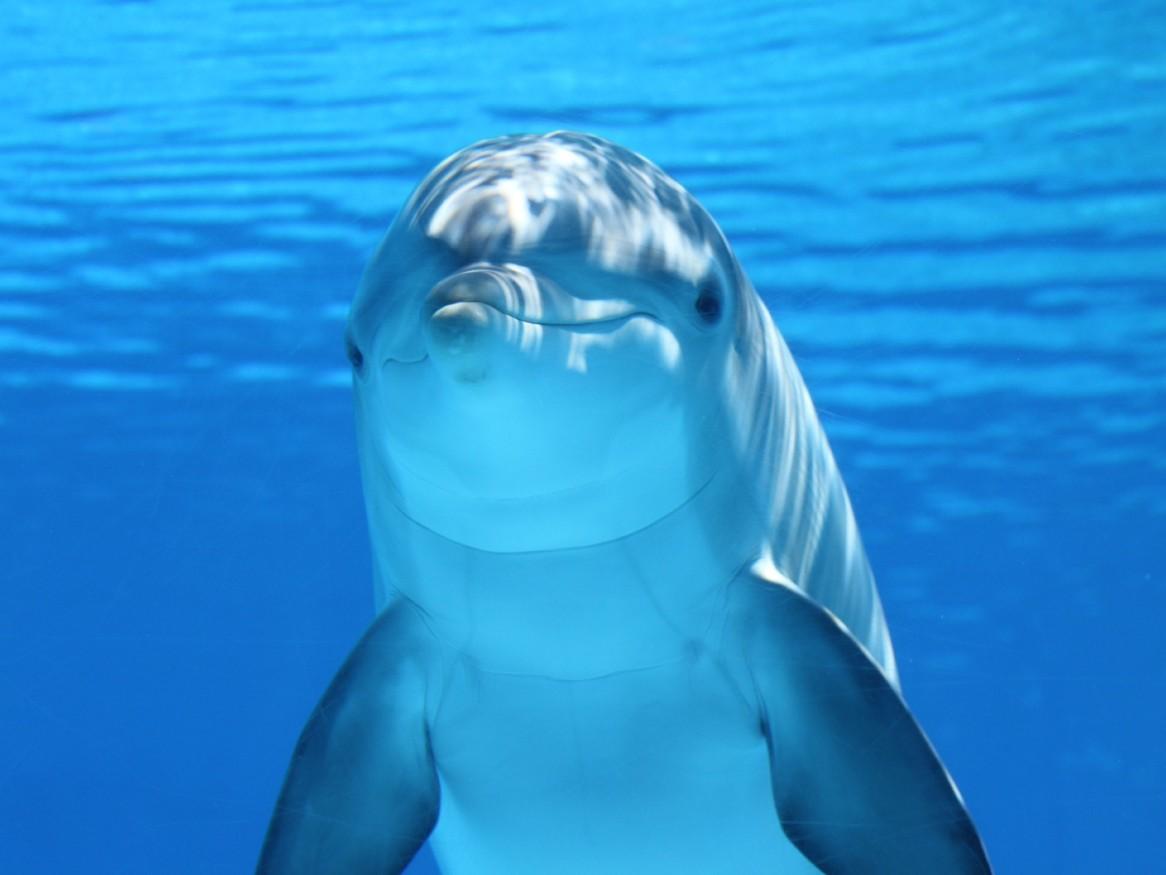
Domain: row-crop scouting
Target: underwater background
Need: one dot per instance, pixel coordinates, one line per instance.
(956, 212)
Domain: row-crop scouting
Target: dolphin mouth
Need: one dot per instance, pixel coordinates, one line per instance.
(393, 360)
(514, 292)
(599, 325)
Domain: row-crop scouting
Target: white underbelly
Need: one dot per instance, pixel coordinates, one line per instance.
(656, 770)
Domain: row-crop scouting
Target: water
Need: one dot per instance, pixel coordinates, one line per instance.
(956, 213)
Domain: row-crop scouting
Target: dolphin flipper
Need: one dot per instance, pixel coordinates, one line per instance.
(361, 793)
(858, 787)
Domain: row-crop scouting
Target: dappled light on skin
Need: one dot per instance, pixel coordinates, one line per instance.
(560, 190)
(814, 539)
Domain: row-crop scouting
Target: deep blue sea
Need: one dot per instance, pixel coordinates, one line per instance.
(956, 212)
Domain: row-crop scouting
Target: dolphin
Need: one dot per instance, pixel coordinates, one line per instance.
(625, 619)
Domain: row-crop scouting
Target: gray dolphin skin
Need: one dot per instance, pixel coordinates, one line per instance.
(625, 620)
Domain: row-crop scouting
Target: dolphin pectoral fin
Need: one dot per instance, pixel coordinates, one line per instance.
(361, 793)
(857, 786)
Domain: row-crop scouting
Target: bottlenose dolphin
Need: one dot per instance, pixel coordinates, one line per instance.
(626, 622)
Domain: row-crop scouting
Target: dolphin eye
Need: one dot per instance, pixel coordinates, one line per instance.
(708, 303)
(355, 356)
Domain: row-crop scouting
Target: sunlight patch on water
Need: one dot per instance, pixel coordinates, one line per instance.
(115, 278)
(250, 309)
(111, 381)
(260, 372)
(23, 312)
(21, 282)
(23, 342)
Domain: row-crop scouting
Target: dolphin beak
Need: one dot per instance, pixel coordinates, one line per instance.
(477, 285)
(520, 293)
(459, 337)
(470, 316)
(459, 321)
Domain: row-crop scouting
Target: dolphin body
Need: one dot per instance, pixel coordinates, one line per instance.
(626, 622)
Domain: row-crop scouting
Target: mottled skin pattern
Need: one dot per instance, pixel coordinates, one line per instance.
(626, 621)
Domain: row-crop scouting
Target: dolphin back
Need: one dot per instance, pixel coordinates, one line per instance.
(810, 537)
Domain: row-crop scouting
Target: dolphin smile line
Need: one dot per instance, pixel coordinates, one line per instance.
(599, 323)
(603, 325)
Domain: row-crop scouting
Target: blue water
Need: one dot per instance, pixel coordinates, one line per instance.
(957, 213)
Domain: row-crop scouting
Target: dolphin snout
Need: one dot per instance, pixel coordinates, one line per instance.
(528, 296)
(461, 317)
(499, 287)
(474, 319)
(458, 337)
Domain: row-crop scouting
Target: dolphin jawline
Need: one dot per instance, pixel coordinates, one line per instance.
(541, 495)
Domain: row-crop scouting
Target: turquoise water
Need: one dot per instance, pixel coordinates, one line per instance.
(956, 214)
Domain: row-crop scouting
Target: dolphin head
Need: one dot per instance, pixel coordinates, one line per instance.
(563, 378)
(539, 345)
